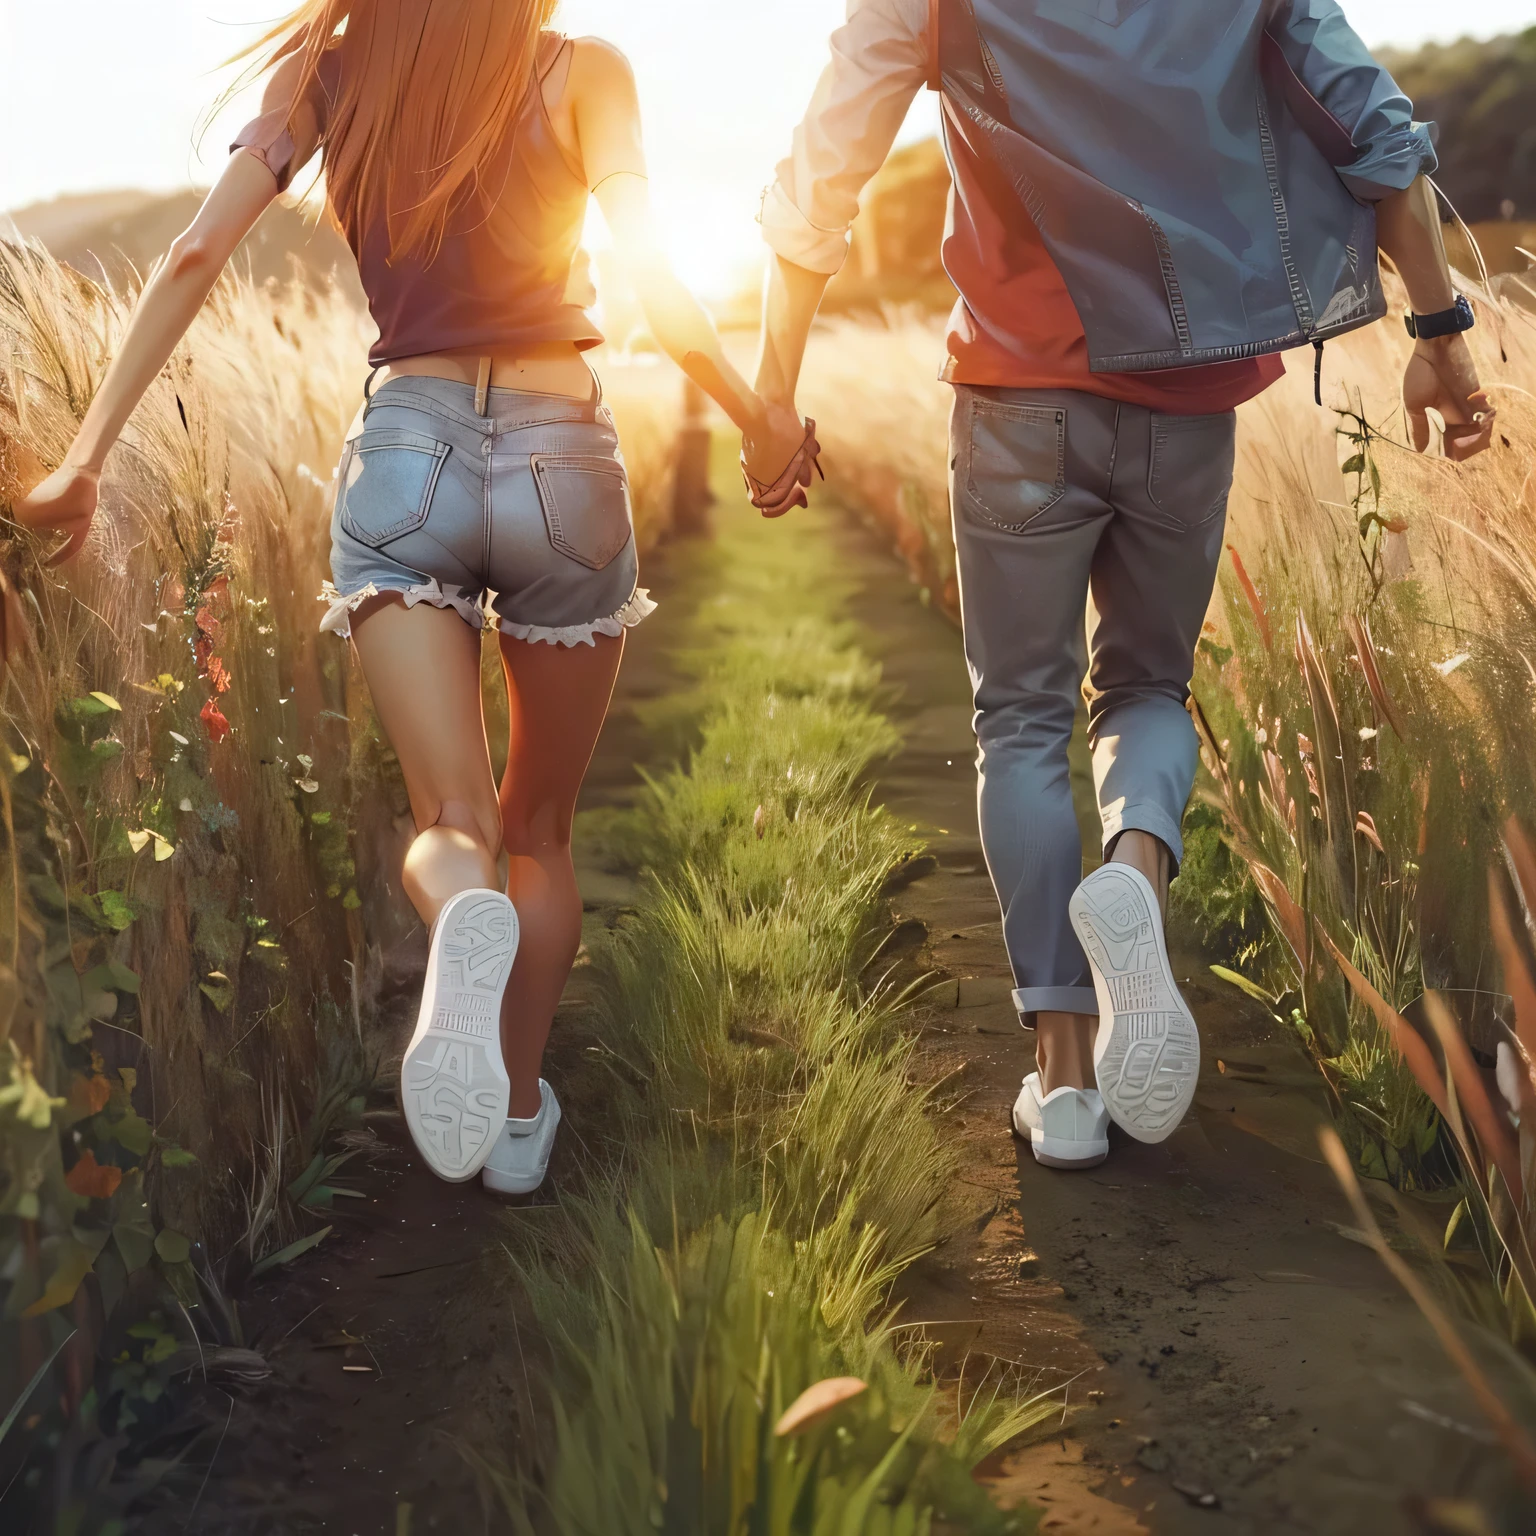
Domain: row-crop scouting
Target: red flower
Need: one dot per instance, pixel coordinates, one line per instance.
(214, 722)
(92, 1180)
(218, 675)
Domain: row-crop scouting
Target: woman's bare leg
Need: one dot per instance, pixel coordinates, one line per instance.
(557, 698)
(423, 670)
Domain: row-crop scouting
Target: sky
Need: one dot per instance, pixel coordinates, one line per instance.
(104, 94)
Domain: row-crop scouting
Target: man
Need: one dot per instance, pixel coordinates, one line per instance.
(1152, 199)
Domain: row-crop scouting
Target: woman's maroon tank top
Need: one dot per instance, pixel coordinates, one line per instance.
(501, 279)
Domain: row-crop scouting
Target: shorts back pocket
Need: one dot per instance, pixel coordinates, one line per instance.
(585, 498)
(387, 484)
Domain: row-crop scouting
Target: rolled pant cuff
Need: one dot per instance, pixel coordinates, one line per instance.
(1151, 819)
(1032, 1000)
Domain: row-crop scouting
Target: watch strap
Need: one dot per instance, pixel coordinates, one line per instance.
(1444, 322)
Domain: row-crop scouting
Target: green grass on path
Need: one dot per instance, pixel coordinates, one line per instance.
(771, 1161)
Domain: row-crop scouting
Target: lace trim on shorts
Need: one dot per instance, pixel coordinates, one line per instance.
(639, 606)
(337, 620)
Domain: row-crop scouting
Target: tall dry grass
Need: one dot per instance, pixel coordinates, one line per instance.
(192, 785)
(1366, 691)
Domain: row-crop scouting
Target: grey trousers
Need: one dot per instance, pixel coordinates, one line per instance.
(1088, 534)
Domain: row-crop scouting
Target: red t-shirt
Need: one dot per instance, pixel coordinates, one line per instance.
(1017, 326)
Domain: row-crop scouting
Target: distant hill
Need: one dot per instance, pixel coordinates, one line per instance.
(1482, 97)
(114, 234)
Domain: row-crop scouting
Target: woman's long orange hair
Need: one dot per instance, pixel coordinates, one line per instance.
(430, 89)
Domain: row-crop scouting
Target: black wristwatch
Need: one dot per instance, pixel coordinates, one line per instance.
(1444, 322)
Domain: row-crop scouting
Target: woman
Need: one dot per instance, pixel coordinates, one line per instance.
(460, 143)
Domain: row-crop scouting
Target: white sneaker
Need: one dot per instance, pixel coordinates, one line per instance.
(453, 1085)
(1068, 1128)
(1147, 1052)
(520, 1156)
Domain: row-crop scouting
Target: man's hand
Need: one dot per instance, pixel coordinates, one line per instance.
(778, 459)
(1441, 375)
(767, 450)
(65, 502)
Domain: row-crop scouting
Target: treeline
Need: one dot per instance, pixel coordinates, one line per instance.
(1482, 97)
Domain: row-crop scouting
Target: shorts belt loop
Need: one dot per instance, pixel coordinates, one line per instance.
(482, 386)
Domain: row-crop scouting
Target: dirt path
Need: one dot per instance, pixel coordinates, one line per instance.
(1233, 1363)
(1241, 1365)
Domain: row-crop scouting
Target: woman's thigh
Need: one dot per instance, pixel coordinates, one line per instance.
(423, 670)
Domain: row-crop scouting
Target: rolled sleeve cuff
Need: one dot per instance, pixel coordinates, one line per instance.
(796, 239)
(1391, 164)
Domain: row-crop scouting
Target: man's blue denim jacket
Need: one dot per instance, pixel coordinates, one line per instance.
(1202, 172)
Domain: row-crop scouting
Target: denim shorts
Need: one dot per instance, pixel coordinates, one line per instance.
(521, 516)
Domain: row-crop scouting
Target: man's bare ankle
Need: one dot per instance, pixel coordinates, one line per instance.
(1064, 1050)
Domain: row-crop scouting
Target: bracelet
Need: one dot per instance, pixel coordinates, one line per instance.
(1444, 322)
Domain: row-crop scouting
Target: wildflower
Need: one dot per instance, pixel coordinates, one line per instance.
(214, 722)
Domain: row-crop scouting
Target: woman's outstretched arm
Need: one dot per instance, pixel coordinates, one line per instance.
(607, 112)
(178, 287)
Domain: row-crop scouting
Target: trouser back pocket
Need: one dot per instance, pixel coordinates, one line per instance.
(585, 498)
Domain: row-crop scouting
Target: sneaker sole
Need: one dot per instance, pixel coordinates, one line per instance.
(1147, 1052)
(1056, 1152)
(506, 1184)
(454, 1087)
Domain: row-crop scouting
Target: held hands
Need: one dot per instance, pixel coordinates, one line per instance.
(778, 457)
(65, 502)
(1442, 376)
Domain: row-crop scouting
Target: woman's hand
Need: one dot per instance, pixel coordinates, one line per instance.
(65, 502)
(767, 449)
(779, 459)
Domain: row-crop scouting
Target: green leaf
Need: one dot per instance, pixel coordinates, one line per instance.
(75, 1260)
(351, 901)
(290, 1253)
(135, 1239)
(131, 1131)
(106, 700)
(321, 818)
(1457, 1216)
(113, 976)
(172, 1156)
(1242, 983)
(1353, 465)
(173, 1247)
(219, 990)
(116, 908)
(308, 1179)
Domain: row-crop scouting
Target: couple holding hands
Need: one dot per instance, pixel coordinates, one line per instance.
(1152, 200)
